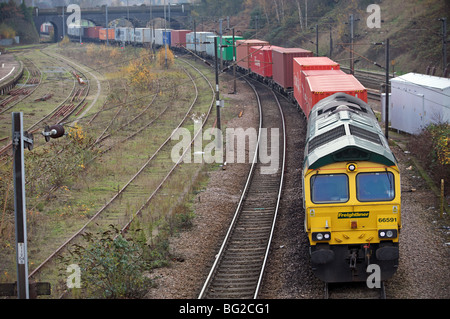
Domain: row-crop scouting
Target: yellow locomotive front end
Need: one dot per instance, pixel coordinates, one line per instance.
(351, 193)
(352, 219)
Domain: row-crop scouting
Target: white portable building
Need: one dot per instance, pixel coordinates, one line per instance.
(418, 100)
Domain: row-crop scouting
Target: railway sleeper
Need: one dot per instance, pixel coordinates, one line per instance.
(252, 258)
(236, 264)
(227, 279)
(230, 287)
(237, 274)
(238, 295)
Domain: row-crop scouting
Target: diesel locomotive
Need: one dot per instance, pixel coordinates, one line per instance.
(351, 192)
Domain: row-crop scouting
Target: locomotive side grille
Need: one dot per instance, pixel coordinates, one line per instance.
(367, 135)
(326, 138)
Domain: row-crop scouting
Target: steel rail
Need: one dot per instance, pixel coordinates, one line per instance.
(236, 213)
(278, 199)
(81, 230)
(219, 258)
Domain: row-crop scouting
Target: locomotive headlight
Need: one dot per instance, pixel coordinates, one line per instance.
(319, 236)
(387, 233)
(351, 167)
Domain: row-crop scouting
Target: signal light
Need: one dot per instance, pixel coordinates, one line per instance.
(54, 131)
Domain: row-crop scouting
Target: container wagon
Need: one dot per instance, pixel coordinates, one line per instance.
(143, 36)
(283, 61)
(163, 36)
(106, 34)
(261, 61)
(93, 33)
(227, 46)
(304, 67)
(243, 53)
(178, 38)
(320, 87)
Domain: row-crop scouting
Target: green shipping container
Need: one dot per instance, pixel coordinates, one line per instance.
(227, 52)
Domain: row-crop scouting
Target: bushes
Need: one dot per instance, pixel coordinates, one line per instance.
(7, 32)
(432, 148)
(110, 266)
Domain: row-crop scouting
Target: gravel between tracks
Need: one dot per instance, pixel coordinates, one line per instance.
(214, 208)
(424, 256)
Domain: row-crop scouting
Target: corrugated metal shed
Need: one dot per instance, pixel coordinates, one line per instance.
(418, 100)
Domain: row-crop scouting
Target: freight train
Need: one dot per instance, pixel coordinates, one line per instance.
(350, 177)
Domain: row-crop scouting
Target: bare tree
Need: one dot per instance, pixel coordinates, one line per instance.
(300, 17)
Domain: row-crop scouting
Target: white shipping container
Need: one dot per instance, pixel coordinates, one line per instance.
(418, 100)
(142, 35)
(190, 45)
(159, 39)
(200, 39)
(210, 45)
(120, 34)
(138, 35)
(147, 35)
(203, 40)
(75, 31)
(129, 35)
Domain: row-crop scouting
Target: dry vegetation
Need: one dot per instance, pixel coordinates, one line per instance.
(70, 178)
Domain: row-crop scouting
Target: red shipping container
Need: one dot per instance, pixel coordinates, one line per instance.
(317, 63)
(93, 32)
(311, 66)
(320, 87)
(243, 51)
(261, 60)
(179, 38)
(283, 60)
(102, 34)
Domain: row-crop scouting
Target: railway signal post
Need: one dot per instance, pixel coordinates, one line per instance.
(21, 140)
(217, 90)
(386, 128)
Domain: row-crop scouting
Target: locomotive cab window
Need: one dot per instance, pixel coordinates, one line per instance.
(329, 189)
(372, 187)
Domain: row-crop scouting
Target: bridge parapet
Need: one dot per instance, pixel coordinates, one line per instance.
(137, 15)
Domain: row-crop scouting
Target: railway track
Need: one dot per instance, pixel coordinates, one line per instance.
(239, 266)
(31, 83)
(102, 216)
(74, 101)
(373, 81)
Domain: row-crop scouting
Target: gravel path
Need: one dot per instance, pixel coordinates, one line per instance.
(424, 255)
